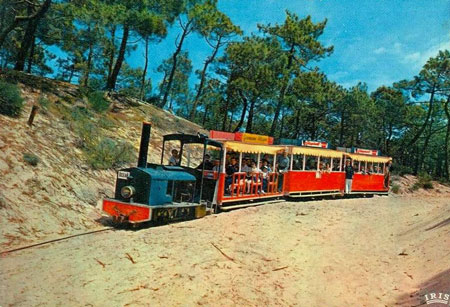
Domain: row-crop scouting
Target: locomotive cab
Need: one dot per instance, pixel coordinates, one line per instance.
(196, 145)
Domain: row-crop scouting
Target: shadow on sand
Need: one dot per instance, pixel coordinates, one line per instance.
(439, 283)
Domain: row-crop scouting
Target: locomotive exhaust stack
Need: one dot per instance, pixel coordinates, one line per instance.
(143, 147)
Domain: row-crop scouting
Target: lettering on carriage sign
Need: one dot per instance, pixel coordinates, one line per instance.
(315, 144)
(370, 152)
(437, 298)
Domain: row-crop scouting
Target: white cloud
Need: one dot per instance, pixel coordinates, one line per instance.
(418, 59)
(395, 48)
(380, 50)
(337, 76)
(412, 57)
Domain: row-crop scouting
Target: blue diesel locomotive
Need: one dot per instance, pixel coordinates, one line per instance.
(161, 193)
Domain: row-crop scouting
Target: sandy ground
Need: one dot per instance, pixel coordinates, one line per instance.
(58, 196)
(355, 252)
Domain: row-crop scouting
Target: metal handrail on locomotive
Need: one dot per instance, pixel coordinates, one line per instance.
(161, 193)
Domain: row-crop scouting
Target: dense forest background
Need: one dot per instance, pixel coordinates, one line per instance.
(266, 82)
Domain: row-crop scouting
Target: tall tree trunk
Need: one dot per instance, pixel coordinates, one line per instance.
(87, 72)
(282, 125)
(25, 45)
(225, 114)
(231, 121)
(202, 79)
(341, 129)
(313, 128)
(388, 139)
(112, 80)
(283, 90)
(19, 19)
(8, 30)
(2, 16)
(425, 147)
(416, 161)
(447, 137)
(297, 124)
(249, 128)
(427, 118)
(144, 73)
(205, 115)
(163, 84)
(112, 51)
(244, 111)
(72, 71)
(30, 57)
(186, 30)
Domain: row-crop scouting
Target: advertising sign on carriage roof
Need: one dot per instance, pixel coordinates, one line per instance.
(370, 152)
(241, 137)
(315, 144)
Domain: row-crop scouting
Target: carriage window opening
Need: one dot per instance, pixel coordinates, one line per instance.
(334, 164)
(297, 162)
(325, 164)
(370, 168)
(311, 163)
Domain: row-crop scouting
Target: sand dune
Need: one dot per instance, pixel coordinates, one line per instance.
(354, 252)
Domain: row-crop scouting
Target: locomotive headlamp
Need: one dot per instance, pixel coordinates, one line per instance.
(127, 191)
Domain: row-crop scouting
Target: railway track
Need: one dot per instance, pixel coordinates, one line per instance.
(4, 253)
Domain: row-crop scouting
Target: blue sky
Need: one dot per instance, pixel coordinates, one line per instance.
(377, 42)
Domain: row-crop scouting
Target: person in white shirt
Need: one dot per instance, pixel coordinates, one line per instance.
(174, 159)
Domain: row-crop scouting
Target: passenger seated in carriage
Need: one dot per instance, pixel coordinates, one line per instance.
(253, 176)
(208, 165)
(265, 170)
(216, 167)
(232, 168)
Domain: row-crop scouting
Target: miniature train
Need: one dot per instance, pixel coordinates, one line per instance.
(162, 193)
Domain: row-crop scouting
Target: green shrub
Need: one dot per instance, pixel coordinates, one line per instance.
(43, 102)
(85, 91)
(108, 153)
(87, 132)
(11, 102)
(80, 114)
(106, 123)
(425, 181)
(98, 101)
(31, 159)
(415, 187)
(395, 188)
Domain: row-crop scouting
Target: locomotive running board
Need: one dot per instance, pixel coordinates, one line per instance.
(228, 208)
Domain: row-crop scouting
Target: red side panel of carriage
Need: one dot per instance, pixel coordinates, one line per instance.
(309, 182)
(368, 183)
